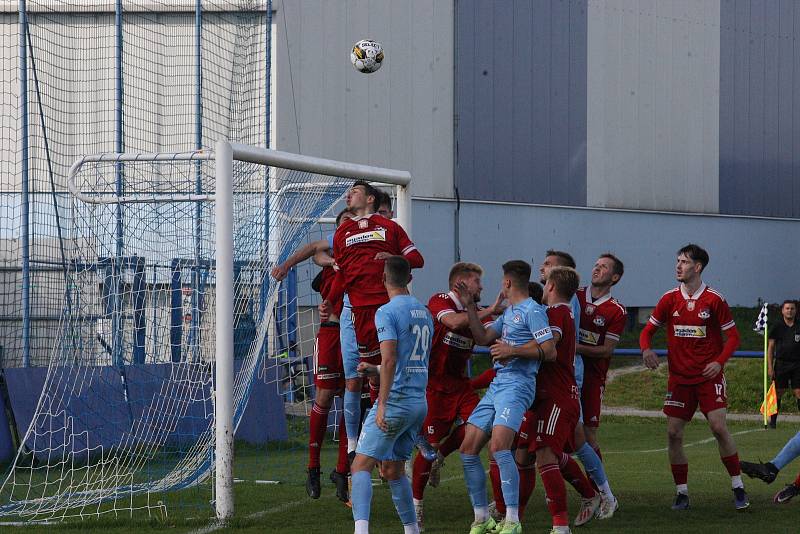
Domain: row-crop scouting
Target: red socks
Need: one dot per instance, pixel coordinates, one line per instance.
(420, 476)
(497, 490)
(342, 463)
(556, 493)
(572, 473)
(732, 464)
(680, 473)
(527, 482)
(318, 424)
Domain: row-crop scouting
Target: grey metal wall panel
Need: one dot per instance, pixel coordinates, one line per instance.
(521, 100)
(653, 120)
(759, 107)
(399, 117)
(732, 243)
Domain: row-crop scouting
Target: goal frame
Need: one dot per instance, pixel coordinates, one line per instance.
(224, 155)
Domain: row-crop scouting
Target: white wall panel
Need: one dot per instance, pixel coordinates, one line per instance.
(400, 116)
(653, 104)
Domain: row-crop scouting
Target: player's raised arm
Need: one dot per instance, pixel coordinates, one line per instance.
(483, 335)
(279, 272)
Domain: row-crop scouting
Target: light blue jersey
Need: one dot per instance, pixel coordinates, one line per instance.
(519, 324)
(512, 391)
(407, 321)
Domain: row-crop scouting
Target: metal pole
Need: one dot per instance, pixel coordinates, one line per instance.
(25, 223)
(198, 209)
(264, 293)
(223, 408)
(119, 147)
(404, 207)
(263, 296)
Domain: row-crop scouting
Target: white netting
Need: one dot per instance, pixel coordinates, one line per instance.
(127, 407)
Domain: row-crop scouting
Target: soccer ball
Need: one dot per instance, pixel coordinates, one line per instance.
(367, 56)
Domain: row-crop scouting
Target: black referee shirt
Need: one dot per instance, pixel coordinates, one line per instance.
(787, 342)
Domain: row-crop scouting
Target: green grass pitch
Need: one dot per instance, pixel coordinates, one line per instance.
(635, 459)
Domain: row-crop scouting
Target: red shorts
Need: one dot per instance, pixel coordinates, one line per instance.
(682, 400)
(369, 349)
(524, 435)
(444, 409)
(551, 424)
(592, 399)
(328, 370)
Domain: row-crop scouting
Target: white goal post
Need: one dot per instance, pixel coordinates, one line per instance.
(224, 157)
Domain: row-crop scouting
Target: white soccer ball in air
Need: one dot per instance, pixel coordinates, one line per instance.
(367, 56)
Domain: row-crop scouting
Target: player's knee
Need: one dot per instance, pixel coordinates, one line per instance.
(719, 429)
(324, 397)
(392, 470)
(675, 435)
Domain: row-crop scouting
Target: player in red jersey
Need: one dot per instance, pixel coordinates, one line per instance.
(602, 322)
(695, 317)
(360, 246)
(328, 372)
(450, 396)
(552, 419)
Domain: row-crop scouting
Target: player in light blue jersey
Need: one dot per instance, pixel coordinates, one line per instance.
(587, 455)
(520, 340)
(405, 332)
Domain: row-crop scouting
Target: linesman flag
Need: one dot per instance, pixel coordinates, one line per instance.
(761, 322)
(771, 402)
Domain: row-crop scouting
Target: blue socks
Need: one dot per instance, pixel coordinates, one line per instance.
(509, 477)
(361, 495)
(789, 452)
(475, 477)
(352, 414)
(593, 464)
(403, 501)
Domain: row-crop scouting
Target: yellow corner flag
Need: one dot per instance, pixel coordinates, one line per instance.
(771, 402)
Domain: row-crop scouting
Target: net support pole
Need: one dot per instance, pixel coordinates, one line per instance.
(223, 408)
(24, 200)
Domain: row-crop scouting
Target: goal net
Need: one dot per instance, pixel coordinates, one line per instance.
(170, 322)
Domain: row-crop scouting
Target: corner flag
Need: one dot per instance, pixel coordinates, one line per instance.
(761, 322)
(770, 399)
(771, 402)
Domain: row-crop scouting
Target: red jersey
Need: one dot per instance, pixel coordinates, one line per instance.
(600, 319)
(556, 380)
(450, 349)
(355, 244)
(694, 326)
(326, 285)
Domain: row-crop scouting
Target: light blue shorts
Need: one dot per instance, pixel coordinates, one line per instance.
(504, 403)
(347, 339)
(405, 421)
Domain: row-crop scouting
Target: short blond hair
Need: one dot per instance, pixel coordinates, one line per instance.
(463, 268)
(565, 279)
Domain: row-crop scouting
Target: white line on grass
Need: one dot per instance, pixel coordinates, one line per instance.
(692, 444)
(213, 527)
